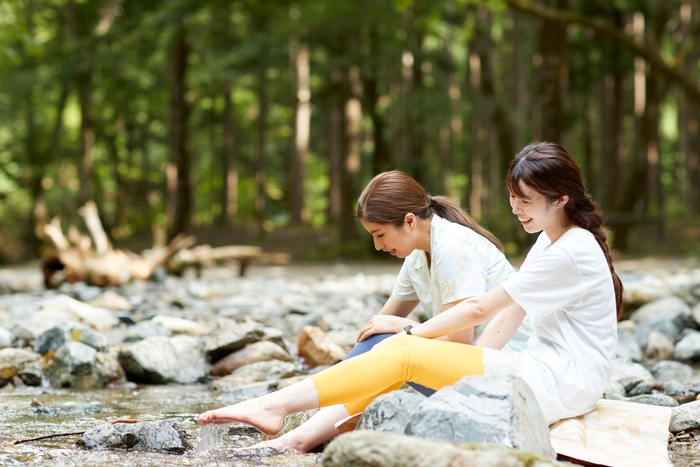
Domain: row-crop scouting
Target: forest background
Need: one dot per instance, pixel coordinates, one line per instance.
(259, 121)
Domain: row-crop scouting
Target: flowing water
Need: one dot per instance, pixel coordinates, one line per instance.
(33, 412)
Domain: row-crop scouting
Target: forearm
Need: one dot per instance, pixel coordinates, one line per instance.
(465, 314)
(501, 328)
(396, 307)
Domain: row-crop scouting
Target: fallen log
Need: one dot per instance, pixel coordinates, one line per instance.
(74, 258)
(205, 255)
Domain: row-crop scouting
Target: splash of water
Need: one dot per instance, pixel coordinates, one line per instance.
(211, 437)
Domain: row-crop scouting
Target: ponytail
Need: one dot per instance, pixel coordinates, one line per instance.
(448, 209)
(584, 213)
(391, 195)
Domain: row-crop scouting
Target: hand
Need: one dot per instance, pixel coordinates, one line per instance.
(383, 324)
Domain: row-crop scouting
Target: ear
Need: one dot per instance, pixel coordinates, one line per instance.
(561, 202)
(410, 220)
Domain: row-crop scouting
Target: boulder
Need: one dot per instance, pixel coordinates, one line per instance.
(624, 369)
(667, 315)
(180, 325)
(20, 363)
(232, 339)
(112, 301)
(162, 360)
(163, 436)
(667, 370)
(316, 349)
(74, 366)
(255, 372)
(68, 331)
(659, 346)
(497, 409)
(688, 347)
(255, 352)
(5, 338)
(390, 412)
(685, 417)
(627, 346)
(98, 318)
(364, 448)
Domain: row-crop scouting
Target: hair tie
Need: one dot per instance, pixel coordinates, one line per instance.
(432, 201)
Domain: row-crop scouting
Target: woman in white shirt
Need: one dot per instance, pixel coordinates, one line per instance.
(567, 286)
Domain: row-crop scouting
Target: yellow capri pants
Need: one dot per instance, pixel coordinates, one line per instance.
(355, 382)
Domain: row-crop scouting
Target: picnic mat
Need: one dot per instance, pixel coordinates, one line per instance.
(616, 434)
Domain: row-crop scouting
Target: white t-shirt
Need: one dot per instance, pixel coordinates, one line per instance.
(567, 291)
(462, 264)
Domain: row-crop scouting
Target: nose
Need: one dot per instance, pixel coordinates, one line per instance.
(377, 245)
(515, 206)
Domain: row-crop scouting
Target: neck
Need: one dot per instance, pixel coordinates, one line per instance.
(423, 234)
(554, 233)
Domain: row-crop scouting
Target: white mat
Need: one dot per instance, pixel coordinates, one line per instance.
(616, 434)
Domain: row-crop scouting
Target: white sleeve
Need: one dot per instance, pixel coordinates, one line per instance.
(460, 270)
(403, 289)
(550, 282)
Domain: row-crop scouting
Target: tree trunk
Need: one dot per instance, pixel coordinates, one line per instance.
(504, 128)
(260, 169)
(229, 190)
(382, 157)
(335, 143)
(352, 114)
(302, 123)
(611, 116)
(179, 186)
(86, 142)
(554, 74)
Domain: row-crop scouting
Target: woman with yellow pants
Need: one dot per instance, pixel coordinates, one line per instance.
(567, 286)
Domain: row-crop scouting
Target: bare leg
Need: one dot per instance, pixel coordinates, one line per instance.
(267, 412)
(318, 429)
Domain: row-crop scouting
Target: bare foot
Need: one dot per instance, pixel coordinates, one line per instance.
(267, 420)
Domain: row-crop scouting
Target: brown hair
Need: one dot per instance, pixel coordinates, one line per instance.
(551, 171)
(391, 195)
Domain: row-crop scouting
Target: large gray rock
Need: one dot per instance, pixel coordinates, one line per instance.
(5, 338)
(98, 318)
(255, 352)
(163, 436)
(667, 370)
(80, 366)
(162, 360)
(685, 417)
(365, 448)
(668, 315)
(688, 347)
(390, 412)
(20, 363)
(659, 346)
(627, 346)
(624, 369)
(498, 409)
(68, 331)
(255, 372)
(233, 339)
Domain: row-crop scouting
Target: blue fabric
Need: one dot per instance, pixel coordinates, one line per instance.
(367, 344)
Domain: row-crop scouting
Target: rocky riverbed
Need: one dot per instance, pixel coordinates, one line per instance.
(75, 358)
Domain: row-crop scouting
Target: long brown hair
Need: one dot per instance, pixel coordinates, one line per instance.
(391, 195)
(551, 171)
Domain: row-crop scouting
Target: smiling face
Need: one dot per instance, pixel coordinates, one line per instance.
(399, 241)
(536, 213)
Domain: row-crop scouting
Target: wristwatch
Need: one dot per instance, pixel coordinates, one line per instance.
(407, 329)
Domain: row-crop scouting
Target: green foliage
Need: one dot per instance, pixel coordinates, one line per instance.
(98, 70)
